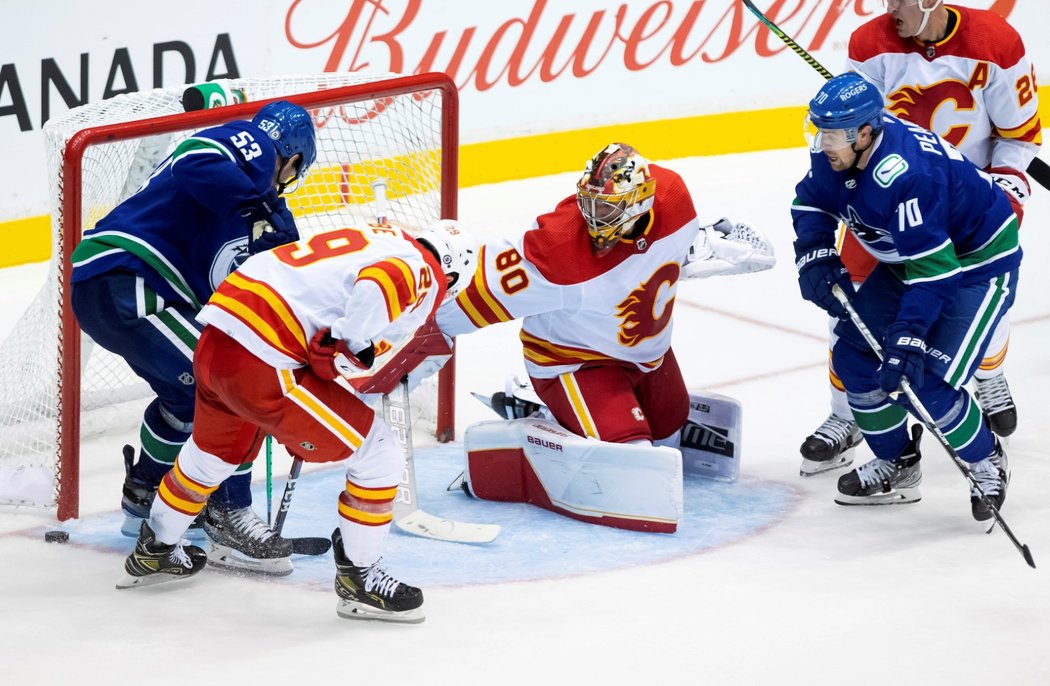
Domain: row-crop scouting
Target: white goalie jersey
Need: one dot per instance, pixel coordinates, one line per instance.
(581, 309)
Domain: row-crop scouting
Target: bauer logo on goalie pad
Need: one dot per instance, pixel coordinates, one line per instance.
(543, 443)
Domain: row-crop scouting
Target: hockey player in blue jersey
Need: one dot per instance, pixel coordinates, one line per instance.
(945, 237)
(144, 271)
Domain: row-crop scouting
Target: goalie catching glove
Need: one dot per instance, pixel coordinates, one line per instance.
(726, 248)
(330, 357)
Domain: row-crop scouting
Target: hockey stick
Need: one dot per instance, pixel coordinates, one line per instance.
(269, 480)
(1037, 168)
(306, 545)
(932, 427)
(407, 516)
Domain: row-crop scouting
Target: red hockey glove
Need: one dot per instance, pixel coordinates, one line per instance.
(330, 357)
(427, 346)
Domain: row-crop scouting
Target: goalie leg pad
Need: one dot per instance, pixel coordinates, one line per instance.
(710, 439)
(636, 487)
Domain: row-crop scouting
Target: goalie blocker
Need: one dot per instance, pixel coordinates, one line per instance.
(622, 485)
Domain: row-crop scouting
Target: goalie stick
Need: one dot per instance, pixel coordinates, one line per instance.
(932, 427)
(407, 515)
(398, 414)
(1037, 168)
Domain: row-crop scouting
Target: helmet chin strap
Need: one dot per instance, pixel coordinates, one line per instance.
(926, 15)
(857, 154)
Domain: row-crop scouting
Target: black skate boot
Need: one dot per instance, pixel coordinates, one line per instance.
(242, 541)
(993, 395)
(885, 482)
(830, 446)
(510, 407)
(137, 499)
(992, 474)
(154, 562)
(371, 593)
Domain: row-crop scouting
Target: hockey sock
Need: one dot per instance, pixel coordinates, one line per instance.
(179, 500)
(885, 427)
(161, 437)
(966, 431)
(365, 515)
(236, 492)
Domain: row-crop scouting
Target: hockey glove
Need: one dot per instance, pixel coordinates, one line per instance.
(904, 355)
(330, 357)
(273, 226)
(726, 248)
(1013, 183)
(819, 270)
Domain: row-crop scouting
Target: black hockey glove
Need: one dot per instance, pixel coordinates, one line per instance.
(819, 269)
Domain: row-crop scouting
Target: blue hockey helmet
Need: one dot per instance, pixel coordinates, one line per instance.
(847, 102)
(291, 128)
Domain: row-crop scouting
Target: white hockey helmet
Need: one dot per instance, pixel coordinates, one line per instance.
(456, 250)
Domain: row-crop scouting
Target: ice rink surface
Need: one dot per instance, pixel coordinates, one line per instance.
(809, 593)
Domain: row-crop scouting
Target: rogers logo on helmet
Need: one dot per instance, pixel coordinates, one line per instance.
(853, 92)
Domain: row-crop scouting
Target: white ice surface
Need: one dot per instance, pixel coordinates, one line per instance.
(830, 595)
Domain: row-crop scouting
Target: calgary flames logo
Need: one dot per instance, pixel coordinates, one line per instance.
(639, 310)
(919, 105)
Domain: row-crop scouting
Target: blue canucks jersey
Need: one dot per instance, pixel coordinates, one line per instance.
(919, 205)
(186, 228)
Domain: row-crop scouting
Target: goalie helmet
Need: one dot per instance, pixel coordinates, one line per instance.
(846, 103)
(615, 188)
(291, 128)
(455, 249)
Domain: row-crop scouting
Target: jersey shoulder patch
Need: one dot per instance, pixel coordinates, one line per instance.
(889, 169)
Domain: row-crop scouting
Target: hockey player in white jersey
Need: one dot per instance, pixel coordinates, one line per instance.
(964, 74)
(595, 281)
(279, 331)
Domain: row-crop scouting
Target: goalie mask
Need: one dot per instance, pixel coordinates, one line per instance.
(455, 249)
(615, 188)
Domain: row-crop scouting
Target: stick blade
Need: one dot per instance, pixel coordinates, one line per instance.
(1028, 556)
(420, 523)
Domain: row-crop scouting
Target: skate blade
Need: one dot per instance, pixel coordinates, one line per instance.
(814, 467)
(899, 497)
(129, 581)
(226, 558)
(350, 609)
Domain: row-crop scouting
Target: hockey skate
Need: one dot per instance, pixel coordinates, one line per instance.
(885, 482)
(992, 474)
(371, 593)
(241, 541)
(831, 446)
(153, 562)
(137, 499)
(993, 395)
(517, 401)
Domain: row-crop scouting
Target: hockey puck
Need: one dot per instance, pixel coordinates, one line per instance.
(56, 536)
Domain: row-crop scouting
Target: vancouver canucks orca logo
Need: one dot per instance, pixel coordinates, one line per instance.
(229, 257)
(874, 237)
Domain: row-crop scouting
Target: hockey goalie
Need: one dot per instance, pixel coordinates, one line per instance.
(595, 283)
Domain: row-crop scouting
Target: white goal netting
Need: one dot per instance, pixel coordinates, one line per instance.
(379, 127)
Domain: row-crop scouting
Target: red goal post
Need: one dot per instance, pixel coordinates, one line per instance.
(404, 128)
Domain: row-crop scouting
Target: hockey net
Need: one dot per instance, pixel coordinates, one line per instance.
(401, 129)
